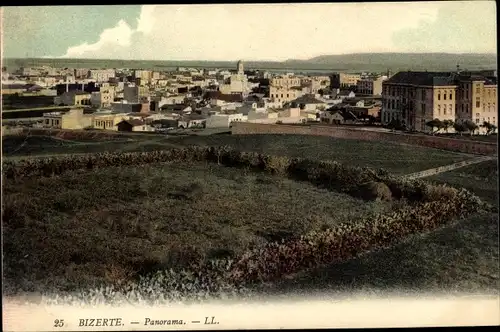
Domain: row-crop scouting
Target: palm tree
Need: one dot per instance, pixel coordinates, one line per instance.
(490, 128)
(436, 123)
(459, 128)
(471, 126)
(447, 124)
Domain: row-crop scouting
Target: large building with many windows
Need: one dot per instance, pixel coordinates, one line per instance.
(415, 98)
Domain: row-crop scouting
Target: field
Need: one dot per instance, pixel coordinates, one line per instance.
(399, 159)
(461, 258)
(154, 217)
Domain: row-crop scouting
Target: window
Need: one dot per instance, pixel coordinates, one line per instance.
(493, 119)
(46, 121)
(439, 96)
(478, 103)
(477, 120)
(451, 96)
(444, 96)
(439, 109)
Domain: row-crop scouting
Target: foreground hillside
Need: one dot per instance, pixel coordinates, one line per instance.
(84, 228)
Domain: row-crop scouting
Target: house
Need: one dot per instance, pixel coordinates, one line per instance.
(346, 94)
(338, 117)
(308, 103)
(192, 121)
(224, 120)
(72, 119)
(73, 98)
(134, 125)
(125, 107)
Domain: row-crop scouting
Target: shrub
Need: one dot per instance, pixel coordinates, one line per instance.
(374, 191)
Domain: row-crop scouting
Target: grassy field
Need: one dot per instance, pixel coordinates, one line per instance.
(143, 218)
(459, 258)
(400, 159)
(88, 227)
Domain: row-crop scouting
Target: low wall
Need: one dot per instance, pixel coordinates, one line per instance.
(11, 131)
(456, 145)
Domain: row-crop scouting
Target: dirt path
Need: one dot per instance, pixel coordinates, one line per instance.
(447, 168)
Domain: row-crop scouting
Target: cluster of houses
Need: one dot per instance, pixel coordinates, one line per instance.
(144, 100)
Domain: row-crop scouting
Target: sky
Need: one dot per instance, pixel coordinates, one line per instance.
(247, 31)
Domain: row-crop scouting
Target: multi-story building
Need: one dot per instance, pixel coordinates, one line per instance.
(144, 75)
(418, 97)
(104, 97)
(73, 98)
(81, 73)
(101, 75)
(286, 81)
(370, 86)
(344, 80)
(135, 93)
(283, 95)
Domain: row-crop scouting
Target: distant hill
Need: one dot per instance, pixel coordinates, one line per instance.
(403, 61)
(372, 62)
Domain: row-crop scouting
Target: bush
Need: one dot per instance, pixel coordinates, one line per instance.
(374, 191)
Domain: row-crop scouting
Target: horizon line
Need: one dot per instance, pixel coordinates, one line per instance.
(252, 60)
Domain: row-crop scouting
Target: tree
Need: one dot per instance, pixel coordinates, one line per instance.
(395, 124)
(459, 128)
(436, 123)
(490, 128)
(471, 126)
(447, 124)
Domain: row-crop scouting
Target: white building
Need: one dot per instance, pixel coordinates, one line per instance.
(238, 83)
(101, 75)
(224, 120)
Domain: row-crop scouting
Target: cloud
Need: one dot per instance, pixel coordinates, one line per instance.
(273, 31)
(110, 39)
(460, 26)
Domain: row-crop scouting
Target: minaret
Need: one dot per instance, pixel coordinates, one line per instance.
(241, 70)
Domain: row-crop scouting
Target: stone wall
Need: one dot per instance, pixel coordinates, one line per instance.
(451, 144)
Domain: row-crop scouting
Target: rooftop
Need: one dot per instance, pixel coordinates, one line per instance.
(308, 99)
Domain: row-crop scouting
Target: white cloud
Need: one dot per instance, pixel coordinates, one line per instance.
(258, 32)
(116, 37)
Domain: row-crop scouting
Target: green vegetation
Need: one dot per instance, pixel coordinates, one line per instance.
(462, 257)
(481, 179)
(125, 203)
(153, 217)
(399, 159)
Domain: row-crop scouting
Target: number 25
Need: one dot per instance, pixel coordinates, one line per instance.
(59, 323)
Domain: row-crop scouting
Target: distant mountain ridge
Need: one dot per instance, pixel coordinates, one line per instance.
(401, 61)
(356, 62)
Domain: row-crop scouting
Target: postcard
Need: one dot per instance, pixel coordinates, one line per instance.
(249, 166)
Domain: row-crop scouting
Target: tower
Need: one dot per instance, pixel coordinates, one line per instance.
(240, 68)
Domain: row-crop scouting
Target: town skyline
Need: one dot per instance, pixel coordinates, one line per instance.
(138, 32)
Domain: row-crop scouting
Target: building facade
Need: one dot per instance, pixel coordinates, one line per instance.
(344, 80)
(101, 75)
(370, 86)
(415, 98)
